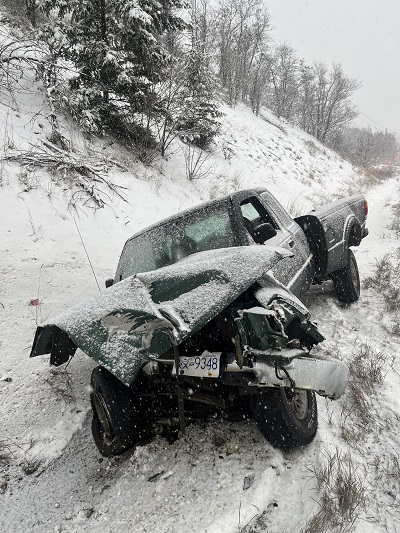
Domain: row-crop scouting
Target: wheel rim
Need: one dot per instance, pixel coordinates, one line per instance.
(103, 415)
(298, 401)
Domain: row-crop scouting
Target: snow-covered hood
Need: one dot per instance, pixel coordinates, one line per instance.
(140, 318)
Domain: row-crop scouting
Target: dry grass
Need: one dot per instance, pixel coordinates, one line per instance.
(386, 467)
(351, 427)
(370, 177)
(222, 184)
(354, 183)
(61, 383)
(386, 281)
(312, 147)
(343, 495)
(365, 179)
(7, 450)
(297, 206)
(368, 368)
(395, 471)
(381, 173)
(387, 273)
(389, 465)
(395, 222)
(30, 466)
(10, 451)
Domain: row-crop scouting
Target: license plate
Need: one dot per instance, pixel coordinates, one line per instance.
(205, 365)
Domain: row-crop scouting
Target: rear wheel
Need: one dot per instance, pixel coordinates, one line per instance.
(347, 280)
(286, 418)
(120, 416)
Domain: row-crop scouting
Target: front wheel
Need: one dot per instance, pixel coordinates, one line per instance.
(347, 280)
(286, 418)
(120, 415)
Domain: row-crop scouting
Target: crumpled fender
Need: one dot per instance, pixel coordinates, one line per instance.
(140, 318)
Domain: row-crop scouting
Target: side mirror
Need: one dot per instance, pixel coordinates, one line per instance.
(109, 283)
(263, 232)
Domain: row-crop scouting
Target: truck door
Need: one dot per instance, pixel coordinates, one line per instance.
(295, 272)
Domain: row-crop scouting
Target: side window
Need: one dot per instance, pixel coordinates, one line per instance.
(255, 214)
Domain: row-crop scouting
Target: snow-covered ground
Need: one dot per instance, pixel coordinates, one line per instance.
(51, 476)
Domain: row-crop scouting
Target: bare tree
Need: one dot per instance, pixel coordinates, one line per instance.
(332, 107)
(257, 81)
(283, 70)
(306, 98)
(200, 13)
(366, 148)
(164, 119)
(241, 31)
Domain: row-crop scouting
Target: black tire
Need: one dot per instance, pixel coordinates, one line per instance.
(347, 280)
(286, 418)
(120, 417)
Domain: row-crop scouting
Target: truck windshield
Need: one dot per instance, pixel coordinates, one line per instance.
(204, 229)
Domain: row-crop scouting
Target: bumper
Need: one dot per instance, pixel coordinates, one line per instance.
(292, 368)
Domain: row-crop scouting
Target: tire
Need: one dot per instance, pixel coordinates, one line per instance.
(347, 280)
(120, 418)
(286, 419)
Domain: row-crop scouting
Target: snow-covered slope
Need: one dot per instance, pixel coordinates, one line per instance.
(51, 476)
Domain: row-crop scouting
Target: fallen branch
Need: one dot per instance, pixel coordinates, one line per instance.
(57, 159)
(114, 163)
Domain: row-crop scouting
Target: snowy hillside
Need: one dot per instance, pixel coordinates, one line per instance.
(52, 478)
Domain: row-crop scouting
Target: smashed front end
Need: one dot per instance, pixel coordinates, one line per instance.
(140, 321)
(276, 341)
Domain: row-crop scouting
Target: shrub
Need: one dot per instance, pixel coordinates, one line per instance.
(342, 493)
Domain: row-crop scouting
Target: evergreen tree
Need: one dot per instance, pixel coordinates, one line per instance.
(185, 104)
(117, 52)
(198, 121)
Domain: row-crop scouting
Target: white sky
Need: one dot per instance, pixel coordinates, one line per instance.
(362, 35)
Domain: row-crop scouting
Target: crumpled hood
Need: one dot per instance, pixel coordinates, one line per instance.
(140, 318)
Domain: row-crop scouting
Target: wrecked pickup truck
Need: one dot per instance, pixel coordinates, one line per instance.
(205, 313)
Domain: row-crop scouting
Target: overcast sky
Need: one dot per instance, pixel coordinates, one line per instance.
(362, 35)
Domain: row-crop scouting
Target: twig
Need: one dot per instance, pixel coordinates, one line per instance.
(87, 255)
(113, 162)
